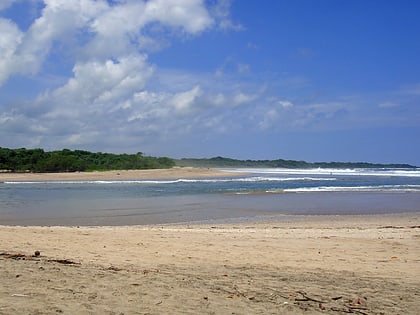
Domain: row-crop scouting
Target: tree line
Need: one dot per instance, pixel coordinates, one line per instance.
(280, 163)
(38, 160)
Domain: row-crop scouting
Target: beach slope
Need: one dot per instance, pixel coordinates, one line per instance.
(324, 265)
(170, 173)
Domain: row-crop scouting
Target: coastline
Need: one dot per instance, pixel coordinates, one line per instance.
(322, 265)
(171, 173)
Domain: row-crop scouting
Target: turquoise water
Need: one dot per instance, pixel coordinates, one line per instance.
(263, 194)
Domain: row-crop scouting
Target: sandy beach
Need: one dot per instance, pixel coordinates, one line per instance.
(320, 265)
(176, 172)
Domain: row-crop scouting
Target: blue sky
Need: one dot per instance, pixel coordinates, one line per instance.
(322, 80)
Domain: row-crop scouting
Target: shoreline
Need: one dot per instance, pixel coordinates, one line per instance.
(171, 173)
(396, 219)
(319, 265)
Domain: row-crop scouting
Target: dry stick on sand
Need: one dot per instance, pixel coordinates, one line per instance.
(307, 298)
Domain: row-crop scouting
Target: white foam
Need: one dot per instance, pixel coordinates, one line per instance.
(181, 180)
(381, 188)
(331, 171)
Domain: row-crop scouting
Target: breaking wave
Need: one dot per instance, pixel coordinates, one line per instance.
(254, 179)
(380, 188)
(415, 172)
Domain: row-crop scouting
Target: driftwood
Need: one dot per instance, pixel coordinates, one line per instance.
(36, 256)
(399, 227)
(350, 308)
(64, 261)
(13, 256)
(307, 298)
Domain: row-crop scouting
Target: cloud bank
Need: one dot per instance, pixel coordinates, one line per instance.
(108, 96)
(98, 89)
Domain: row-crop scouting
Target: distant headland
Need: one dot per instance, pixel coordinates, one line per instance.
(280, 163)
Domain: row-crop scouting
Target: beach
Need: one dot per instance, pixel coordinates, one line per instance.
(311, 264)
(317, 265)
(175, 172)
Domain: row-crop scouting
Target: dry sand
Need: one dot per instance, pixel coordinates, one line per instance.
(176, 172)
(320, 265)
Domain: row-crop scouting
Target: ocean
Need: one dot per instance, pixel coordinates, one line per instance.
(261, 195)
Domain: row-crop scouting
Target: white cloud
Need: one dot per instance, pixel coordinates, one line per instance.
(113, 96)
(285, 104)
(221, 11)
(100, 86)
(242, 98)
(106, 96)
(149, 107)
(59, 21)
(10, 39)
(188, 14)
(269, 119)
(121, 28)
(184, 101)
(218, 99)
(91, 29)
(119, 20)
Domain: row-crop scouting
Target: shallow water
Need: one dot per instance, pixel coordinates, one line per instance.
(262, 194)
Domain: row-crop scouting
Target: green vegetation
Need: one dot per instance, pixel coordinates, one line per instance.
(227, 162)
(38, 160)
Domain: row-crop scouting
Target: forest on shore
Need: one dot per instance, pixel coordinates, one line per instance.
(39, 161)
(280, 163)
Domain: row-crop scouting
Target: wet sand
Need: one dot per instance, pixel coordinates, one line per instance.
(319, 265)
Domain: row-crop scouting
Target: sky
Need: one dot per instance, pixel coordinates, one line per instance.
(309, 80)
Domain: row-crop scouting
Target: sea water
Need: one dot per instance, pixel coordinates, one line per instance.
(262, 194)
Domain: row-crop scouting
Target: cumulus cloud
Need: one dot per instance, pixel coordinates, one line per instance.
(125, 25)
(96, 28)
(184, 101)
(108, 96)
(58, 23)
(10, 40)
(111, 95)
(105, 82)
(218, 99)
(242, 98)
(188, 14)
(221, 11)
